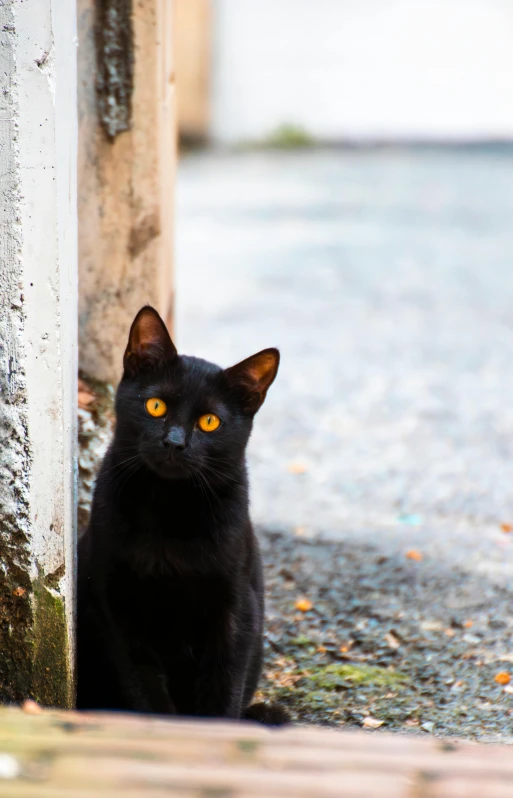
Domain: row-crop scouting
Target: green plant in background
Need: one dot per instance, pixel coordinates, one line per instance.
(289, 137)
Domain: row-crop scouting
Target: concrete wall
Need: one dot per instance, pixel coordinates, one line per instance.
(126, 176)
(38, 364)
(363, 69)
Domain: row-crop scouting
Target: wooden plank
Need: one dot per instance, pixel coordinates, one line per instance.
(75, 755)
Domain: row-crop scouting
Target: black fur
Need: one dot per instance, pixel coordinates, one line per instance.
(171, 599)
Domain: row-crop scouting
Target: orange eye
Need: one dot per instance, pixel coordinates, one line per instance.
(156, 407)
(209, 422)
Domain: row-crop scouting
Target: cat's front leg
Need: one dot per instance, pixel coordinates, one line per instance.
(139, 672)
(107, 676)
(142, 677)
(222, 673)
(153, 678)
(219, 689)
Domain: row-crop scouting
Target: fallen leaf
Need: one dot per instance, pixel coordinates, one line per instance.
(412, 722)
(297, 468)
(303, 605)
(450, 632)
(85, 398)
(321, 649)
(372, 723)
(20, 591)
(468, 624)
(507, 528)
(31, 708)
(288, 679)
(392, 641)
(502, 678)
(413, 554)
(345, 647)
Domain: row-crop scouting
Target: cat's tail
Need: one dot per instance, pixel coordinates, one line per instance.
(268, 714)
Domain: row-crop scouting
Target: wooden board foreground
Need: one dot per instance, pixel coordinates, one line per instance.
(72, 755)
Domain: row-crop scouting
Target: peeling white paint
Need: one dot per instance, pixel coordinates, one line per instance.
(46, 63)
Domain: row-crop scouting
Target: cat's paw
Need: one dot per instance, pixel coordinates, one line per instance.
(268, 714)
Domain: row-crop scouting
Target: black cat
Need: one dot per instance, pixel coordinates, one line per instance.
(170, 606)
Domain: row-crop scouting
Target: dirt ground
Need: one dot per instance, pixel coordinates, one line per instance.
(356, 638)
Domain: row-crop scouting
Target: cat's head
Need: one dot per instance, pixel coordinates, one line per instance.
(183, 416)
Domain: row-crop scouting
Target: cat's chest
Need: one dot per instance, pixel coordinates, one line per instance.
(158, 594)
(169, 617)
(151, 527)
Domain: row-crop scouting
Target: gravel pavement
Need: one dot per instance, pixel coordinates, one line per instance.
(381, 463)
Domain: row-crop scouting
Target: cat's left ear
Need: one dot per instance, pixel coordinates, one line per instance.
(252, 378)
(149, 343)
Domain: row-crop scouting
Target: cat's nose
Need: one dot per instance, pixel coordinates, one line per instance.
(176, 439)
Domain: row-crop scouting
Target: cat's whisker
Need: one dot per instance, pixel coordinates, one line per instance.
(208, 486)
(212, 473)
(223, 476)
(120, 465)
(202, 486)
(123, 475)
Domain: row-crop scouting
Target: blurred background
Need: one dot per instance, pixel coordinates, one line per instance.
(345, 193)
(340, 71)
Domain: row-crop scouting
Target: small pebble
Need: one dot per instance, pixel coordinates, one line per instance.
(9, 767)
(31, 707)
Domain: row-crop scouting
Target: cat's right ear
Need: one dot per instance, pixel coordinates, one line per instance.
(252, 378)
(149, 343)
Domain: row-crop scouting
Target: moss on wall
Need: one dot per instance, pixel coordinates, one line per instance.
(51, 677)
(33, 641)
(16, 617)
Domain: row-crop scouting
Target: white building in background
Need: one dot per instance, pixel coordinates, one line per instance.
(362, 69)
